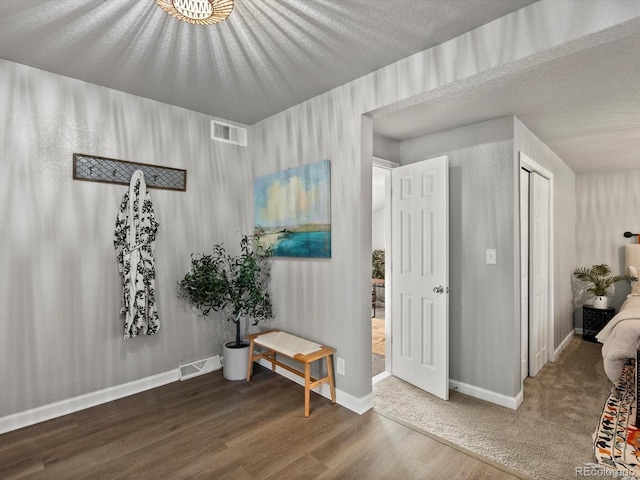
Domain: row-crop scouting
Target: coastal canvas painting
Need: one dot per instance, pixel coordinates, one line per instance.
(292, 211)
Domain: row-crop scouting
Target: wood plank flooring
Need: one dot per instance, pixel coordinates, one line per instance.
(377, 336)
(211, 428)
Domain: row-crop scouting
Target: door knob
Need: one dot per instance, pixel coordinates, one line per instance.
(438, 289)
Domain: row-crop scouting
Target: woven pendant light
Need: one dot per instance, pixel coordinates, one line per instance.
(199, 12)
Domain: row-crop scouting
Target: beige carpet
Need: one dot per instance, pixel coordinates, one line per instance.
(546, 438)
(377, 364)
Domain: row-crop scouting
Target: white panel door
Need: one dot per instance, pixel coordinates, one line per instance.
(419, 237)
(539, 265)
(524, 273)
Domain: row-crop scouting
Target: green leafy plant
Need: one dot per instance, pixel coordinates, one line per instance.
(598, 278)
(237, 285)
(377, 264)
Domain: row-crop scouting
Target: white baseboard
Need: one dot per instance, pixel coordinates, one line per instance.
(64, 407)
(564, 343)
(378, 378)
(355, 404)
(519, 399)
(579, 331)
(498, 398)
(81, 402)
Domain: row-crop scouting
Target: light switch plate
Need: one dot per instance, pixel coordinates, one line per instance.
(491, 256)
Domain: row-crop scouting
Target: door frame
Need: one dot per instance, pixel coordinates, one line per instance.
(387, 165)
(526, 163)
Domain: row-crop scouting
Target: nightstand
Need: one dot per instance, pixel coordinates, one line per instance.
(594, 320)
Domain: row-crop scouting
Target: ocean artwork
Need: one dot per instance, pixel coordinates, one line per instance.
(292, 211)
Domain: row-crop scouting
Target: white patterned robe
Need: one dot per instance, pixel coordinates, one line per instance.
(135, 233)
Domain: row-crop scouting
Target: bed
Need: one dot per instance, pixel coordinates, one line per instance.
(621, 336)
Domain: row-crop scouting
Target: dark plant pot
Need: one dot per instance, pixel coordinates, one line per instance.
(235, 361)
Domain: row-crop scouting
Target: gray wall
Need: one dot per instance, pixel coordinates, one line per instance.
(60, 329)
(386, 148)
(60, 335)
(607, 206)
(378, 230)
(564, 221)
(483, 299)
(328, 300)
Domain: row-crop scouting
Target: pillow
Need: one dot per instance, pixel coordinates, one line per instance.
(635, 286)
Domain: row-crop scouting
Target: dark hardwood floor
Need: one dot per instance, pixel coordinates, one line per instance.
(210, 428)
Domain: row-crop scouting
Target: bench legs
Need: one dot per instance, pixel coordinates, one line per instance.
(307, 387)
(250, 368)
(306, 360)
(310, 383)
(332, 385)
(269, 355)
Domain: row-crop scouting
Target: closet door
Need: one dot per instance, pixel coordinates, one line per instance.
(539, 272)
(524, 272)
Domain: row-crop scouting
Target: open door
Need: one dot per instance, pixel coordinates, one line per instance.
(420, 326)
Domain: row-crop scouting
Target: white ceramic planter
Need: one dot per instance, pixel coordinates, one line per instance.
(235, 362)
(601, 302)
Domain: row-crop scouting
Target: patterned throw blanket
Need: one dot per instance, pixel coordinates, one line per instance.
(617, 440)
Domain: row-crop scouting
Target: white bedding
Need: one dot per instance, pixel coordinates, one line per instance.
(620, 337)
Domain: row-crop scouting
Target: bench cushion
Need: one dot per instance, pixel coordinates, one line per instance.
(287, 343)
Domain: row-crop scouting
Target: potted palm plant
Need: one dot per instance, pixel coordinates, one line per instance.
(238, 286)
(597, 279)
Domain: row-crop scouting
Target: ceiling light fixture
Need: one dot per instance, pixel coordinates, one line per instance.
(199, 12)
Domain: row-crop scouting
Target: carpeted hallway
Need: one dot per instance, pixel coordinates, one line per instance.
(546, 438)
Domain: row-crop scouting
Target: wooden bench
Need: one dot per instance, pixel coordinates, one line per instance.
(297, 348)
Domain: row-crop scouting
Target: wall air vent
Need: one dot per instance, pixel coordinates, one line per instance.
(200, 367)
(224, 132)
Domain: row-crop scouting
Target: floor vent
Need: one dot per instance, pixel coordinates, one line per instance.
(224, 132)
(200, 367)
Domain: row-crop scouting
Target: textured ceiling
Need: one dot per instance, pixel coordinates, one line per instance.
(268, 56)
(273, 54)
(584, 106)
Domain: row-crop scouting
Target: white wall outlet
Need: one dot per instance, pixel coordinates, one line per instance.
(491, 256)
(340, 366)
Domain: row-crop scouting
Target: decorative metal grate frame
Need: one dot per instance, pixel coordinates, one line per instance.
(91, 168)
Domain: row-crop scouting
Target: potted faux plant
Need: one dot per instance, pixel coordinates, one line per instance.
(238, 286)
(377, 276)
(597, 280)
(377, 264)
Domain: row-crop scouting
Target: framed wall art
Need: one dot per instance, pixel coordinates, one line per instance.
(292, 211)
